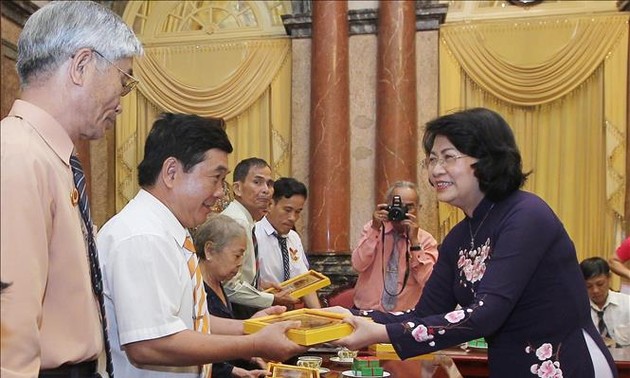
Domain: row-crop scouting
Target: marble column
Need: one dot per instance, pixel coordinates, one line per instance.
(329, 198)
(396, 115)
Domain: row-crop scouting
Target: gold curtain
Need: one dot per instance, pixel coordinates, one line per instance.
(131, 131)
(560, 82)
(246, 82)
(218, 78)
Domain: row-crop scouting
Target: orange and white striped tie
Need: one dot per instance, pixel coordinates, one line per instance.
(201, 319)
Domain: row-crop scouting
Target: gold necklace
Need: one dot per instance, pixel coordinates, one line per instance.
(472, 235)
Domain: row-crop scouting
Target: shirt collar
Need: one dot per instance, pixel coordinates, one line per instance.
(610, 300)
(268, 228)
(244, 210)
(172, 224)
(51, 131)
(388, 227)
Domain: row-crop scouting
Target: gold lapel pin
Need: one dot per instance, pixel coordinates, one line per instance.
(74, 196)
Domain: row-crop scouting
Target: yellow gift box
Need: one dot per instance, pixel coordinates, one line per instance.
(386, 352)
(303, 284)
(282, 370)
(317, 327)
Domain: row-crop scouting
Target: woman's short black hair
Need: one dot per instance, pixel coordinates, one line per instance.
(484, 135)
(185, 137)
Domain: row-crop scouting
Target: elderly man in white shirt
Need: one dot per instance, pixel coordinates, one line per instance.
(610, 310)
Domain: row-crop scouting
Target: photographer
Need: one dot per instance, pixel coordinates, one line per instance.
(394, 256)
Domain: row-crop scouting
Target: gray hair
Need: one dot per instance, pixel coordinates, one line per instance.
(218, 229)
(401, 184)
(57, 30)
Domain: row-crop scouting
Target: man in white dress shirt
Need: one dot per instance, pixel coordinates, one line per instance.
(280, 248)
(145, 255)
(610, 310)
(252, 186)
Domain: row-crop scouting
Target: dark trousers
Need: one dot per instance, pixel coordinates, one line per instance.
(81, 370)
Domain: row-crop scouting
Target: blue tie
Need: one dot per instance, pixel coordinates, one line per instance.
(95, 270)
(285, 255)
(601, 324)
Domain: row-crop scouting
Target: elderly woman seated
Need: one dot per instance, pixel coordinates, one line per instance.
(220, 243)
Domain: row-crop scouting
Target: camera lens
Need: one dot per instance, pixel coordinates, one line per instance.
(396, 214)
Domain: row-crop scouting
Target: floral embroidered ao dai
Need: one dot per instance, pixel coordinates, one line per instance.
(520, 287)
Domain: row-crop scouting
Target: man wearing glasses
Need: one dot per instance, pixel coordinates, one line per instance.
(74, 64)
(394, 257)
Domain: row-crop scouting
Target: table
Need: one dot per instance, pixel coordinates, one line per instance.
(622, 360)
(470, 363)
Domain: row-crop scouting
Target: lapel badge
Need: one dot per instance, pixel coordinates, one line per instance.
(74, 196)
(294, 254)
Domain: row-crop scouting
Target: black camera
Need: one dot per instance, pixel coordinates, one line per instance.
(397, 212)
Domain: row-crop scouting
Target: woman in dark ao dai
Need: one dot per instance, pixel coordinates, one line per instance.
(510, 265)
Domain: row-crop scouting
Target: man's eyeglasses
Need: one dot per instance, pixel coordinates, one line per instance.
(130, 81)
(445, 161)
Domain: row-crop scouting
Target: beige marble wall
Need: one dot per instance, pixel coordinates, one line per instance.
(300, 120)
(427, 66)
(363, 131)
(362, 50)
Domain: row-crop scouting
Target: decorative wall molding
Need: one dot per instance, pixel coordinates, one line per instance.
(464, 11)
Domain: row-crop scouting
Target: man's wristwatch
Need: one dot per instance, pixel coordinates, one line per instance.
(415, 248)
